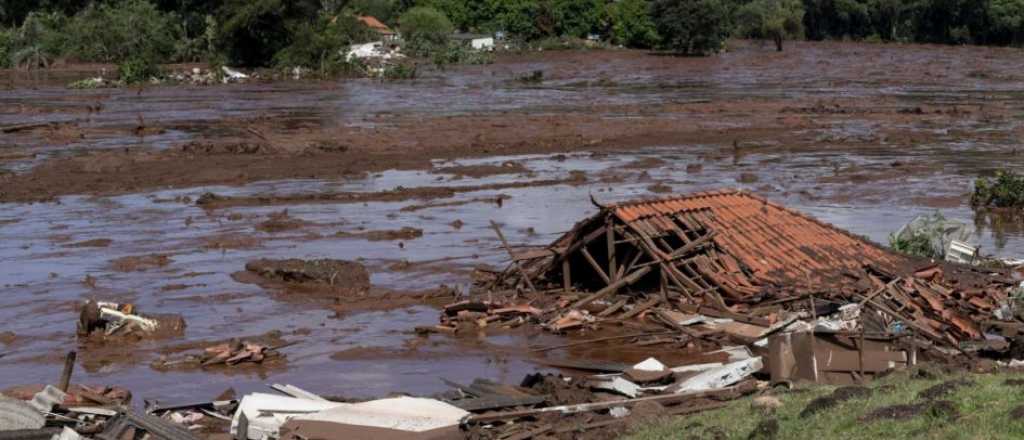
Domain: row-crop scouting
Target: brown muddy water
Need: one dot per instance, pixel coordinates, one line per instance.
(849, 170)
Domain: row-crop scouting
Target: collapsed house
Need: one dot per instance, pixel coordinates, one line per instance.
(733, 255)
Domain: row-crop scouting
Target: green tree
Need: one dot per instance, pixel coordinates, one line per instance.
(460, 12)
(6, 47)
(38, 41)
(579, 18)
(887, 17)
(323, 45)
(691, 27)
(1007, 19)
(632, 25)
(837, 19)
(775, 20)
(425, 30)
(117, 31)
(523, 19)
(251, 32)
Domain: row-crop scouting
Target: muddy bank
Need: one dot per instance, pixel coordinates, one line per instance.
(813, 96)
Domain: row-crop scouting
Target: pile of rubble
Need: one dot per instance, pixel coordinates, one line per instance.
(724, 268)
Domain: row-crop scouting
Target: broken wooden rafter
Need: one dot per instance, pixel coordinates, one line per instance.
(611, 288)
(597, 267)
(526, 278)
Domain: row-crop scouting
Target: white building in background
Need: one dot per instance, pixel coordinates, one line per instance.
(476, 41)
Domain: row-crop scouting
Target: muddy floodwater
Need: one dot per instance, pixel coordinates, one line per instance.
(101, 203)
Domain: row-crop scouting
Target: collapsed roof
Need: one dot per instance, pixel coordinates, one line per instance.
(738, 253)
(727, 243)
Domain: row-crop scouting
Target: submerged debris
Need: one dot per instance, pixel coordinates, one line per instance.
(112, 319)
(329, 272)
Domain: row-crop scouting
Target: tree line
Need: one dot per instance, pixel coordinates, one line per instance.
(312, 32)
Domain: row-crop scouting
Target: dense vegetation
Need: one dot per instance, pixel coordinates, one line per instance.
(139, 34)
(1005, 190)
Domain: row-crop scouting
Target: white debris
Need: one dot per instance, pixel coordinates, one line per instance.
(120, 318)
(619, 412)
(619, 385)
(845, 319)
(1012, 363)
(233, 74)
(720, 377)
(411, 414)
(696, 367)
(651, 364)
(66, 434)
(45, 400)
(261, 415)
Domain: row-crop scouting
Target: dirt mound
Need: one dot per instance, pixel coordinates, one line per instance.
(659, 188)
(645, 163)
(329, 272)
(838, 396)
(939, 409)
(943, 389)
(206, 148)
(1014, 382)
(1017, 413)
(478, 171)
(281, 221)
(140, 262)
(8, 338)
(231, 241)
(767, 429)
(99, 242)
(406, 233)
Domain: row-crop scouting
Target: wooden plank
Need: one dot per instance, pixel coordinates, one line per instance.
(575, 246)
(611, 288)
(610, 234)
(613, 308)
(526, 278)
(641, 308)
(566, 275)
(597, 267)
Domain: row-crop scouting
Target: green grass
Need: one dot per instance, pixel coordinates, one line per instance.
(984, 414)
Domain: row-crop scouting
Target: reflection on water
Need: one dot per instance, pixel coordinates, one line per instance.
(1003, 226)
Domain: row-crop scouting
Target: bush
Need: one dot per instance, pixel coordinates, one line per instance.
(138, 69)
(1005, 190)
(322, 46)
(121, 31)
(459, 53)
(6, 47)
(775, 20)
(425, 31)
(632, 25)
(691, 27)
(39, 40)
(917, 245)
(399, 71)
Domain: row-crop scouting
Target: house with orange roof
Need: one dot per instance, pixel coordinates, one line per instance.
(377, 26)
